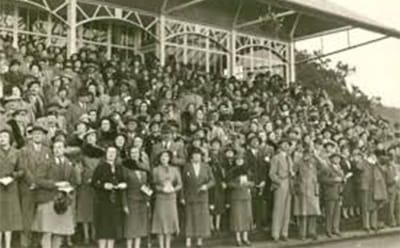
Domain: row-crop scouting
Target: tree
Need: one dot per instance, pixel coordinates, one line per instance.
(320, 74)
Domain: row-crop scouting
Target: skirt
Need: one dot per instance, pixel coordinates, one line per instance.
(108, 220)
(136, 222)
(85, 204)
(48, 221)
(165, 217)
(241, 216)
(10, 209)
(197, 220)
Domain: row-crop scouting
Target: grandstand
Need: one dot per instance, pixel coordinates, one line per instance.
(232, 37)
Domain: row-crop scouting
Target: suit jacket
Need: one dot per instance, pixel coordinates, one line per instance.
(332, 189)
(177, 148)
(192, 183)
(133, 192)
(33, 163)
(55, 171)
(281, 168)
(257, 165)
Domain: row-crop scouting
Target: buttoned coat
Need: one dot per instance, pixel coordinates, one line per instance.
(306, 188)
(32, 163)
(332, 189)
(192, 183)
(10, 208)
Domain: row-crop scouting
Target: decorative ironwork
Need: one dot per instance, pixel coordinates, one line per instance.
(87, 13)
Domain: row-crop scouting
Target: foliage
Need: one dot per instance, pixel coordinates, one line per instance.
(320, 74)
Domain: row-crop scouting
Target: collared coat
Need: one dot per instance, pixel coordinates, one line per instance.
(197, 221)
(306, 188)
(32, 163)
(10, 208)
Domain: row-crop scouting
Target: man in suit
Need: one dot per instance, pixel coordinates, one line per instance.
(76, 110)
(281, 173)
(258, 168)
(168, 143)
(34, 156)
(333, 179)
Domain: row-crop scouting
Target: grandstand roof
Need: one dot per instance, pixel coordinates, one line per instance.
(250, 16)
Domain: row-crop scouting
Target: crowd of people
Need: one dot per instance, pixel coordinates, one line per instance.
(120, 149)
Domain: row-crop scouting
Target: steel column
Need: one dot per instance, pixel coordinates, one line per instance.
(161, 46)
(72, 9)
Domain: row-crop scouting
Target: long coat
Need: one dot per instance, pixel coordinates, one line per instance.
(196, 208)
(46, 218)
(306, 189)
(109, 204)
(217, 193)
(136, 222)
(10, 208)
(32, 163)
(241, 213)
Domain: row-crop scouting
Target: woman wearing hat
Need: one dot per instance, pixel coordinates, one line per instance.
(138, 196)
(240, 216)
(55, 183)
(110, 202)
(167, 182)
(10, 209)
(91, 154)
(217, 193)
(197, 180)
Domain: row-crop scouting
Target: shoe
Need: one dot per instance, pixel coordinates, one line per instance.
(303, 238)
(367, 230)
(239, 243)
(314, 237)
(284, 239)
(337, 234)
(247, 243)
(329, 235)
(275, 240)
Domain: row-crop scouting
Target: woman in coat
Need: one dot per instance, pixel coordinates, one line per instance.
(306, 195)
(349, 197)
(138, 198)
(10, 209)
(110, 202)
(197, 180)
(90, 158)
(241, 216)
(54, 213)
(217, 193)
(167, 182)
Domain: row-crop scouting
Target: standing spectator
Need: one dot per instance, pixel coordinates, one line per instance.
(33, 158)
(10, 209)
(138, 199)
(217, 193)
(110, 203)
(393, 187)
(197, 180)
(241, 216)
(306, 195)
(167, 182)
(333, 179)
(281, 173)
(54, 213)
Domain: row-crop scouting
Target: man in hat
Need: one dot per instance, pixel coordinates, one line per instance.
(14, 76)
(333, 179)
(77, 109)
(35, 98)
(167, 143)
(281, 173)
(34, 157)
(258, 167)
(17, 123)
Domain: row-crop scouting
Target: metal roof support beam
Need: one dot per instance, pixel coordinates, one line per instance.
(294, 27)
(264, 19)
(237, 14)
(343, 49)
(323, 33)
(182, 6)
